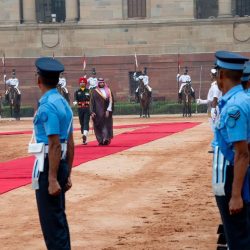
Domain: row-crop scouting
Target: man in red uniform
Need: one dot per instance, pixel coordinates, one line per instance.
(82, 98)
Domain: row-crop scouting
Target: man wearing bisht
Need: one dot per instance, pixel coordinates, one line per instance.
(101, 110)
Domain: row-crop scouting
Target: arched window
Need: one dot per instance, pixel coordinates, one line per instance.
(48, 11)
(136, 8)
(206, 9)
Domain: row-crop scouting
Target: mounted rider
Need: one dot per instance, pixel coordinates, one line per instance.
(143, 77)
(184, 79)
(13, 82)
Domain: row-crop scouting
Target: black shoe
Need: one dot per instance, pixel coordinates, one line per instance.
(222, 248)
(84, 139)
(221, 239)
(106, 142)
(210, 151)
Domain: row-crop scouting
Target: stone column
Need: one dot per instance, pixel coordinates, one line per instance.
(71, 10)
(225, 8)
(29, 11)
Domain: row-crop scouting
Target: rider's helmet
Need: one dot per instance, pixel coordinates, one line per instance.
(13, 73)
(213, 72)
(93, 71)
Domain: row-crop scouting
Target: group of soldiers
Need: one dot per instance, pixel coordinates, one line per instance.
(53, 131)
(229, 99)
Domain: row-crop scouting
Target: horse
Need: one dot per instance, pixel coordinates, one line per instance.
(144, 99)
(64, 92)
(186, 95)
(13, 98)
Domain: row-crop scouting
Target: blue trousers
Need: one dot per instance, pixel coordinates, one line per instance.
(51, 210)
(236, 227)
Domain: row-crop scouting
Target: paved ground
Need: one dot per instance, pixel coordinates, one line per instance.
(155, 196)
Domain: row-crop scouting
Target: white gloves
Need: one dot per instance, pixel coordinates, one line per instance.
(200, 101)
(75, 102)
(135, 74)
(214, 113)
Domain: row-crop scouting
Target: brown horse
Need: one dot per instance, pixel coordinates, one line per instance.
(186, 95)
(144, 99)
(13, 98)
(64, 92)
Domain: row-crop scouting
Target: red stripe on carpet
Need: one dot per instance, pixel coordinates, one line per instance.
(17, 173)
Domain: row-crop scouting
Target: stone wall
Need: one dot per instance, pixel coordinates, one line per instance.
(162, 72)
(109, 40)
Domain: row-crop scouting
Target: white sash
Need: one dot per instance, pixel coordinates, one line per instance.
(39, 150)
(220, 165)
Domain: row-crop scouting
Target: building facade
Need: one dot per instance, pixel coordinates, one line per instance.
(110, 32)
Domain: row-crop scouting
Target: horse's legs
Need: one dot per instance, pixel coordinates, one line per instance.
(189, 109)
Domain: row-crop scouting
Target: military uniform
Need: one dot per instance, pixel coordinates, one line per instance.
(92, 81)
(82, 99)
(232, 127)
(213, 112)
(245, 79)
(183, 80)
(13, 82)
(53, 117)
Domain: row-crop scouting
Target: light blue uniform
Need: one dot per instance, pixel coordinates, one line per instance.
(234, 125)
(53, 117)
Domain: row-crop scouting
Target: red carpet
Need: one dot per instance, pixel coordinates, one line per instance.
(17, 173)
(26, 132)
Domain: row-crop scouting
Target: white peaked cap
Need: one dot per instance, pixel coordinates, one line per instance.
(213, 71)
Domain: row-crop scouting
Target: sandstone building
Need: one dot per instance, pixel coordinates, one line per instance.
(109, 32)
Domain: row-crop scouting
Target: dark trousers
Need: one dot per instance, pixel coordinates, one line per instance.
(51, 210)
(236, 227)
(84, 116)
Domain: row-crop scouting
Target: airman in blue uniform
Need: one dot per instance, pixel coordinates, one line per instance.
(245, 79)
(231, 157)
(53, 128)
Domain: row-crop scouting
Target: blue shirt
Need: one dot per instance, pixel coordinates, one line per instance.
(234, 122)
(53, 117)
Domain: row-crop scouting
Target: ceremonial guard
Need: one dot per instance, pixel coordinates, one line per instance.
(82, 99)
(145, 79)
(101, 109)
(92, 81)
(212, 101)
(62, 87)
(245, 80)
(62, 81)
(183, 80)
(54, 151)
(231, 175)
(13, 82)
